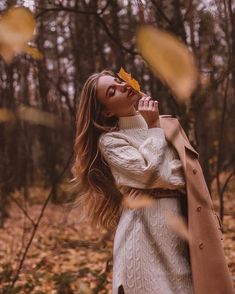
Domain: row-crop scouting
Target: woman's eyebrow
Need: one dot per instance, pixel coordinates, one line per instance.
(117, 79)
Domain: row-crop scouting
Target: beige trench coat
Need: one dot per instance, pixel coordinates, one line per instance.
(209, 267)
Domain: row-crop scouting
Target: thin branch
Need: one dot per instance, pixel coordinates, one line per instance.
(22, 209)
(38, 222)
(227, 181)
(160, 11)
(190, 5)
(71, 9)
(102, 22)
(222, 123)
(99, 18)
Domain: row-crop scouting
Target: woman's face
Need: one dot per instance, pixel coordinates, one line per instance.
(116, 96)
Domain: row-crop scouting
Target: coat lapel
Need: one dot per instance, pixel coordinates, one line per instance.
(176, 136)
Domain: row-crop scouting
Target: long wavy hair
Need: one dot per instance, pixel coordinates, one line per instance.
(97, 196)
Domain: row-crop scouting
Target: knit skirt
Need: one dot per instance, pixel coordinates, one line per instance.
(148, 256)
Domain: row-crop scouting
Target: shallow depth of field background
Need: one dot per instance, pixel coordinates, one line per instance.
(77, 38)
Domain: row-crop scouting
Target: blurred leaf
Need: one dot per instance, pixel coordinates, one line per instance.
(29, 114)
(17, 26)
(84, 288)
(178, 225)
(138, 202)
(170, 60)
(6, 115)
(34, 52)
(37, 116)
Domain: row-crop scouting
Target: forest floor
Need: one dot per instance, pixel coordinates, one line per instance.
(67, 256)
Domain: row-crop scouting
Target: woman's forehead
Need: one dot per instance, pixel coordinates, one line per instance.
(103, 83)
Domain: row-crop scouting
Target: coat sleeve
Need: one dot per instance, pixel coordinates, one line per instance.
(139, 166)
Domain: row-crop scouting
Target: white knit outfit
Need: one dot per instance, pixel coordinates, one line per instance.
(148, 256)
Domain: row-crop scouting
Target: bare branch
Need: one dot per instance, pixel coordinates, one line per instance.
(38, 222)
(97, 15)
(22, 209)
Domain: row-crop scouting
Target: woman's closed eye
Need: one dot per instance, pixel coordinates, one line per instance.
(113, 88)
(112, 91)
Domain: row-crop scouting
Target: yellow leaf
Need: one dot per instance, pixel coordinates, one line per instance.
(124, 75)
(17, 27)
(29, 114)
(135, 85)
(6, 52)
(34, 52)
(169, 59)
(6, 115)
(129, 80)
(178, 225)
(136, 203)
(37, 116)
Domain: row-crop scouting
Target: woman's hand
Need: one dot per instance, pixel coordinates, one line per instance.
(136, 198)
(149, 110)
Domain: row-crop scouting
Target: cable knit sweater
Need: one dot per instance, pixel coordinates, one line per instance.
(136, 154)
(148, 257)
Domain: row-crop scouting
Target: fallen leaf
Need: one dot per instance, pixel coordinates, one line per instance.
(84, 288)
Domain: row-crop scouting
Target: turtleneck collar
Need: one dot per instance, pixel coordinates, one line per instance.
(132, 122)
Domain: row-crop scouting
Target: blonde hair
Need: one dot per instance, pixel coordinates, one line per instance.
(97, 196)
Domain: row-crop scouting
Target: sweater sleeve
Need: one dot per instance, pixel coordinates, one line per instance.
(139, 166)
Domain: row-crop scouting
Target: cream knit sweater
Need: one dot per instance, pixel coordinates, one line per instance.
(148, 257)
(136, 153)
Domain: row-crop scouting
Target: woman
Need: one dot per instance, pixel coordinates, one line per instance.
(124, 153)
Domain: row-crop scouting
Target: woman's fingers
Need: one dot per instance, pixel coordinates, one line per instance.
(134, 202)
(134, 192)
(147, 104)
(155, 105)
(151, 105)
(143, 102)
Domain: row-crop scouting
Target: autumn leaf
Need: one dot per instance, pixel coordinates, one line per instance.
(34, 52)
(36, 116)
(137, 203)
(178, 225)
(17, 26)
(129, 80)
(6, 115)
(29, 114)
(169, 59)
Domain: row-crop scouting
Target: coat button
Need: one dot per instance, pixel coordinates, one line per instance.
(199, 208)
(194, 170)
(200, 245)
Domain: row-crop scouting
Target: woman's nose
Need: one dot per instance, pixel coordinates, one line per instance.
(123, 87)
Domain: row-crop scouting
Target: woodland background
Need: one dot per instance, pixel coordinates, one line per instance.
(76, 39)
